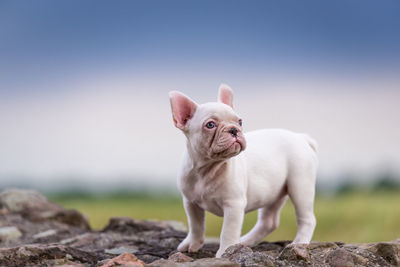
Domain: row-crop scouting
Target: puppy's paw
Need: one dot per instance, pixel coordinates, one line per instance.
(248, 242)
(190, 244)
(220, 252)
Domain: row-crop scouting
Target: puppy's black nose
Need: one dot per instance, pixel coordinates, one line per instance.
(233, 131)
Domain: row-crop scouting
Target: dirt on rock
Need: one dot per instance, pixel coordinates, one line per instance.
(37, 232)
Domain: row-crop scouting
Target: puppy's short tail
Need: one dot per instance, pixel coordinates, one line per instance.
(313, 144)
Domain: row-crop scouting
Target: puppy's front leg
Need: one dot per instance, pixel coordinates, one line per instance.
(196, 219)
(231, 227)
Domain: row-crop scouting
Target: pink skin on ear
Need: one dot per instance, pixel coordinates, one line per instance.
(225, 95)
(183, 108)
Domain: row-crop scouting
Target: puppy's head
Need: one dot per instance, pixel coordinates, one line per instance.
(213, 130)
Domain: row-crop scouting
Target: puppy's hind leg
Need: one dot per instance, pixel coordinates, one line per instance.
(268, 221)
(301, 189)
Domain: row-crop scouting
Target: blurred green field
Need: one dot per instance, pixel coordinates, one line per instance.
(354, 217)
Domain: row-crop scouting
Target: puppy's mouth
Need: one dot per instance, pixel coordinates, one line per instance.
(234, 146)
(240, 141)
(238, 145)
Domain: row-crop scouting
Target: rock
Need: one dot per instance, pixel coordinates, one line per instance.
(179, 226)
(295, 252)
(70, 217)
(120, 250)
(129, 225)
(44, 234)
(4, 211)
(36, 207)
(126, 259)
(246, 257)
(322, 246)
(71, 265)
(9, 233)
(48, 255)
(210, 262)
(207, 251)
(389, 251)
(36, 232)
(180, 257)
(207, 262)
(163, 263)
(340, 258)
(17, 200)
(236, 249)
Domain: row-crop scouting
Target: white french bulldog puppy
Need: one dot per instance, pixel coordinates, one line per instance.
(229, 173)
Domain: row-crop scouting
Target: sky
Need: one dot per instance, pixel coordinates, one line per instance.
(84, 85)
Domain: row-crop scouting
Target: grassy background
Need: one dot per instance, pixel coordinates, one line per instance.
(357, 216)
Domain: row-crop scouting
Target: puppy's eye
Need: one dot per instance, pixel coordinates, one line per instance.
(210, 124)
(240, 122)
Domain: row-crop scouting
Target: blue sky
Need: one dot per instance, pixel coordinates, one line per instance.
(83, 84)
(45, 41)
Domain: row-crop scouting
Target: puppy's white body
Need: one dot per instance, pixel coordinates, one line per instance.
(275, 164)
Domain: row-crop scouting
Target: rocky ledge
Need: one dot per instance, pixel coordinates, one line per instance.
(36, 232)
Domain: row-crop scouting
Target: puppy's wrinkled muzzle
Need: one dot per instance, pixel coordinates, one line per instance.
(242, 142)
(233, 145)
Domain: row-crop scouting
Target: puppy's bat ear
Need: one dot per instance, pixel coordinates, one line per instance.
(225, 95)
(183, 108)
